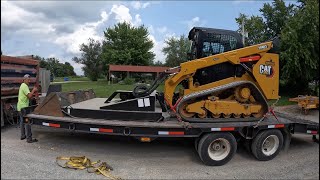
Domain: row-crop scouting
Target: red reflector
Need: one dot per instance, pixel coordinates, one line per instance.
(106, 130)
(314, 132)
(279, 125)
(54, 125)
(250, 58)
(176, 133)
(227, 129)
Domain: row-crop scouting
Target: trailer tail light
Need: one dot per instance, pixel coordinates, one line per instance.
(223, 129)
(145, 139)
(173, 133)
(51, 125)
(312, 132)
(101, 130)
(276, 126)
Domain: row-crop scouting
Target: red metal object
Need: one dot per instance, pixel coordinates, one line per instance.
(173, 108)
(227, 129)
(176, 133)
(250, 58)
(13, 69)
(16, 60)
(15, 80)
(17, 68)
(279, 125)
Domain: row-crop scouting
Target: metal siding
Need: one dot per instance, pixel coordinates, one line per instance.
(12, 71)
(44, 78)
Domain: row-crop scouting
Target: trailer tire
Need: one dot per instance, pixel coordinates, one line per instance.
(267, 144)
(216, 149)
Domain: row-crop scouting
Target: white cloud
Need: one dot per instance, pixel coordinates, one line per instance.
(236, 2)
(81, 35)
(50, 24)
(151, 29)
(171, 35)
(14, 18)
(52, 56)
(137, 20)
(162, 29)
(157, 49)
(122, 13)
(138, 5)
(194, 22)
(77, 68)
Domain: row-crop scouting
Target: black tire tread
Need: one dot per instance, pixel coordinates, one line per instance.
(257, 143)
(205, 142)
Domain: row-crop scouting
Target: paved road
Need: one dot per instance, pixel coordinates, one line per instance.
(161, 159)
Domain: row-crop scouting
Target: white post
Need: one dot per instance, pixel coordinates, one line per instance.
(243, 33)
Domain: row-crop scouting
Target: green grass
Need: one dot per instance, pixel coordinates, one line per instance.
(71, 78)
(100, 87)
(283, 101)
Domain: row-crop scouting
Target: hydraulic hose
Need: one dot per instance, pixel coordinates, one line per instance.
(142, 90)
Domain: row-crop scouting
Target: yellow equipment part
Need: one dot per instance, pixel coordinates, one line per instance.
(83, 162)
(269, 84)
(226, 108)
(306, 102)
(263, 73)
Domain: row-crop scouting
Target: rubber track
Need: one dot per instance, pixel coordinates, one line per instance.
(256, 93)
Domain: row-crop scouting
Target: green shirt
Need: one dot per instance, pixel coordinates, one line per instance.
(23, 100)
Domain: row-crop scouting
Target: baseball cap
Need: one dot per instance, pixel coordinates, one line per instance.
(26, 76)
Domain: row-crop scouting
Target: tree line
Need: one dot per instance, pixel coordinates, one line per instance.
(297, 26)
(57, 69)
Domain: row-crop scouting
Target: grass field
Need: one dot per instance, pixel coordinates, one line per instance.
(102, 89)
(283, 101)
(61, 79)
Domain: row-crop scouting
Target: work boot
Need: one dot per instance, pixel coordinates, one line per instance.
(32, 140)
(22, 138)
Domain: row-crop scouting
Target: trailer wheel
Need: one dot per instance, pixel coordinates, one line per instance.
(217, 149)
(267, 144)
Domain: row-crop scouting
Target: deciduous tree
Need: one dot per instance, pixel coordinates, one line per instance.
(176, 50)
(126, 44)
(91, 59)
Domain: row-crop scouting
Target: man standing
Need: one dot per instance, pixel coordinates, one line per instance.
(23, 101)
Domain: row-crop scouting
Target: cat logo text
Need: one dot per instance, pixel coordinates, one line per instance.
(266, 70)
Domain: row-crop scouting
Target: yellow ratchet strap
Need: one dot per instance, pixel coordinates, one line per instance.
(83, 162)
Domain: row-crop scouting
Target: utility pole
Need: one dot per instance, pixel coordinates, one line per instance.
(242, 32)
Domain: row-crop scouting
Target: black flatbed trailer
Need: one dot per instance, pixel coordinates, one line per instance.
(223, 135)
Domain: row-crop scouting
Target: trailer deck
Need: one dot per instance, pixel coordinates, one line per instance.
(212, 140)
(147, 128)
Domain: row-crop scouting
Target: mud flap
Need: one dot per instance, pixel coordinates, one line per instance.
(50, 106)
(314, 138)
(286, 140)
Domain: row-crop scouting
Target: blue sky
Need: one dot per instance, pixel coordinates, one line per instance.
(57, 28)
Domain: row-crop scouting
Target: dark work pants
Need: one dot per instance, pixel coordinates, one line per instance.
(25, 128)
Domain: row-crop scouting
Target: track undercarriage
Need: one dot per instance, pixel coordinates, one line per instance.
(233, 101)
